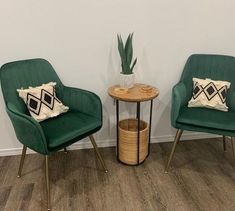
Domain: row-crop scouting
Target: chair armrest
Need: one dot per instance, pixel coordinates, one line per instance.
(178, 100)
(28, 130)
(82, 100)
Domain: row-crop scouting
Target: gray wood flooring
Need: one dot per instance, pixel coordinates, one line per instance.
(202, 177)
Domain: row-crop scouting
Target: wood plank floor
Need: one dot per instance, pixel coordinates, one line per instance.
(202, 177)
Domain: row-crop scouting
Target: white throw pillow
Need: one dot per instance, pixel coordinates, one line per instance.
(42, 101)
(210, 94)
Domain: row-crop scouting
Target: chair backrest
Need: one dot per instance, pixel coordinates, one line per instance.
(215, 67)
(22, 74)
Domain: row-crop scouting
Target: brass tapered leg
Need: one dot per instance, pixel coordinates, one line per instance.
(47, 182)
(22, 161)
(65, 150)
(233, 145)
(98, 153)
(177, 138)
(224, 143)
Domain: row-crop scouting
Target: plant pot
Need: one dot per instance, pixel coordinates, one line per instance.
(128, 141)
(127, 80)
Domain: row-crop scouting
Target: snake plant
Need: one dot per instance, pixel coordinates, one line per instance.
(126, 54)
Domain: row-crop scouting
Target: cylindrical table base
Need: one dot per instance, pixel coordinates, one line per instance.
(128, 141)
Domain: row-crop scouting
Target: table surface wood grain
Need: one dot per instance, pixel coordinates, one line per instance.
(138, 93)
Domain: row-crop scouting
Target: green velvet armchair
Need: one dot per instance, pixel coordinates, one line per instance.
(216, 67)
(83, 118)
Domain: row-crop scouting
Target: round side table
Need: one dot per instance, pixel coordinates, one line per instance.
(139, 93)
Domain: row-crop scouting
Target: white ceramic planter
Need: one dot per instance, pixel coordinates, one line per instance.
(127, 81)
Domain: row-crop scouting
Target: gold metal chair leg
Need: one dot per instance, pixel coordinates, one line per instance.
(22, 161)
(65, 150)
(98, 153)
(233, 145)
(177, 138)
(224, 143)
(47, 182)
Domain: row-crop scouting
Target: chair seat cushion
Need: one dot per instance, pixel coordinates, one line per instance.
(62, 129)
(208, 118)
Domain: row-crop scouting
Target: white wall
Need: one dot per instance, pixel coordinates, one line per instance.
(79, 39)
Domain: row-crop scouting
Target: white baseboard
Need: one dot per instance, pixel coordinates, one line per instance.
(112, 142)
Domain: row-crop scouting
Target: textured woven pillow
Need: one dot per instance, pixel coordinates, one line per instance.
(210, 94)
(42, 101)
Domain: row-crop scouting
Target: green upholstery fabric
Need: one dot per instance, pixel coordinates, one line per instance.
(82, 100)
(83, 119)
(208, 118)
(216, 67)
(23, 74)
(68, 126)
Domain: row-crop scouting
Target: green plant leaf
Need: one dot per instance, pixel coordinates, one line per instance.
(129, 50)
(134, 63)
(125, 67)
(120, 47)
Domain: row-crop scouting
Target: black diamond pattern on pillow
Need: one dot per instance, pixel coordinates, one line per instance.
(55, 96)
(34, 103)
(197, 90)
(47, 99)
(222, 93)
(210, 91)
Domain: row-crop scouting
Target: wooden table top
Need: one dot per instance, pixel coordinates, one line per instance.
(138, 93)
